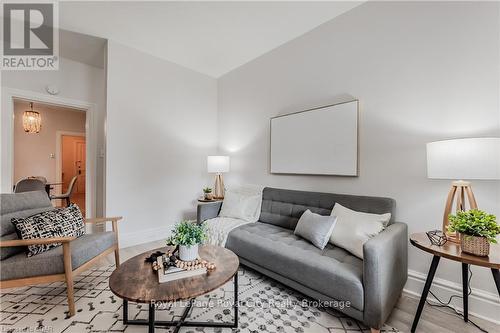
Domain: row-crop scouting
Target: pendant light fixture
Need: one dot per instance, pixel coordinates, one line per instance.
(32, 121)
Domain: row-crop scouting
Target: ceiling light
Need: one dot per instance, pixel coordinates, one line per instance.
(32, 121)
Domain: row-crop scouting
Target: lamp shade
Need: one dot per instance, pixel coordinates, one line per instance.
(217, 164)
(472, 158)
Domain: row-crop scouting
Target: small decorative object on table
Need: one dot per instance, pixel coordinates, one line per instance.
(477, 230)
(152, 258)
(207, 193)
(437, 237)
(187, 235)
(171, 268)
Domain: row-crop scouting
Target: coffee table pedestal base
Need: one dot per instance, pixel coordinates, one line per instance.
(152, 323)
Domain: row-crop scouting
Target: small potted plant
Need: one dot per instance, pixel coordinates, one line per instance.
(208, 193)
(477, 230)
(187, 235)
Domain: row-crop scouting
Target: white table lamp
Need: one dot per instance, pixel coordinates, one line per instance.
(460, 160)
(218, 165)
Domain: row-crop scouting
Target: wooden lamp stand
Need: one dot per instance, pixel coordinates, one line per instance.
(219, 186)
(461, 190)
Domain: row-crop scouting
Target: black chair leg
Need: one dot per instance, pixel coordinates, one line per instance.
(67, 202)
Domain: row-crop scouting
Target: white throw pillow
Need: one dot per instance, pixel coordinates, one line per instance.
(353, 229)
(241, 204)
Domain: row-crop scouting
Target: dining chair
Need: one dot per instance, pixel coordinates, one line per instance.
(29, 185)
(66, 196)
(40, 178)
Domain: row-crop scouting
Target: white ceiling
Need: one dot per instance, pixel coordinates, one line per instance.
(210, 37)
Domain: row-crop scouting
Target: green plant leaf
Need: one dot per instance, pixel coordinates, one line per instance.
(475, 222)
(187, 233)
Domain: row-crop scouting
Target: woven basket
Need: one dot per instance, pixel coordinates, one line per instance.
(478, 246)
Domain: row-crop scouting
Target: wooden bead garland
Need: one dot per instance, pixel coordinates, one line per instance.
(195, 264)
(192, 265)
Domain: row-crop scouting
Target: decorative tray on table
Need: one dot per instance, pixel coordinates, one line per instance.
(171, 268)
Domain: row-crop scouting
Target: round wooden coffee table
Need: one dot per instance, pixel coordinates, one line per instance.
(136, 281)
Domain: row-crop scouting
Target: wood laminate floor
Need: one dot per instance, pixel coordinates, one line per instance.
(432, 320)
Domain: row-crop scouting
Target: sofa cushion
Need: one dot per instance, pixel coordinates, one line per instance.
(332, 271)
(51, 262)
(283, 208)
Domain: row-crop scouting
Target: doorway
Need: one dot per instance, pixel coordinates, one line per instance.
(73, 164)
(9, 124)
(36, 150)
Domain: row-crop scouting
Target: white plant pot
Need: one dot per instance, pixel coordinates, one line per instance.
(188, 253)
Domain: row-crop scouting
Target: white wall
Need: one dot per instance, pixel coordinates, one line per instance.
(422, 72)
(161, 125)
(32, 151)
(76, 81)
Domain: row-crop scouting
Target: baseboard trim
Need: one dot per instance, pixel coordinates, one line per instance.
(144, 236)
(482, 304)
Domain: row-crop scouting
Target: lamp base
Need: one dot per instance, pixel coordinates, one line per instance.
(461, 190)
(219, 190)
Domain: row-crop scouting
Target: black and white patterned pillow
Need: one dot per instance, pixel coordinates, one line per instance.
(63, 222)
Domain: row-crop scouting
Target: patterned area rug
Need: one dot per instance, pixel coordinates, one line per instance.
(265, 306)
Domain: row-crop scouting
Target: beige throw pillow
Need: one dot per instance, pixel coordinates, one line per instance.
(353, 229)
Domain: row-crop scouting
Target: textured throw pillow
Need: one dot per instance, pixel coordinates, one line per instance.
(315, 228)
(241, 205)
(353, 229)
(64, 222)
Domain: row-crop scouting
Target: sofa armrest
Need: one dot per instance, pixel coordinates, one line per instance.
(385, 271)
(208, 210)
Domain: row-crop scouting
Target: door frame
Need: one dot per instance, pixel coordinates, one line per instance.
(59, 135)
(7, 138)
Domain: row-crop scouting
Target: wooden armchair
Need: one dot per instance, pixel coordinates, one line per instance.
(59, 264)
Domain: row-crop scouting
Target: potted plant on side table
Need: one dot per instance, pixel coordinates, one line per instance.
(477, 230)
(187, 235)
(207, 191)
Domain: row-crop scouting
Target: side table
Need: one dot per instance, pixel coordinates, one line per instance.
(452, 251)
(205, 200)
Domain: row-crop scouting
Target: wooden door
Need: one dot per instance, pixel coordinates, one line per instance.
(73, 162)
(80, 163)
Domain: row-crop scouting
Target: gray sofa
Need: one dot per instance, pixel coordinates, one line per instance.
(372, 286)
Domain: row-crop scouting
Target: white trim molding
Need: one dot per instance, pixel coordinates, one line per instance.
(7, 138)
(482, 304)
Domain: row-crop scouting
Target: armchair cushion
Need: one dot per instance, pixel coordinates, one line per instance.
(83, 249)
(56, 223)
(19, 205)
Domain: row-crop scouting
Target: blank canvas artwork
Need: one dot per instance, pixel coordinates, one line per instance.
(322, 141)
